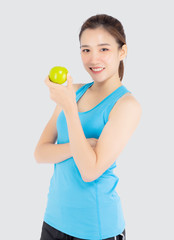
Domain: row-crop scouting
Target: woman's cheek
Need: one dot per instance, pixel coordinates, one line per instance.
(108, 58)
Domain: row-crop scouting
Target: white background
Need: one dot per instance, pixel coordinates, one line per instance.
(37, 35)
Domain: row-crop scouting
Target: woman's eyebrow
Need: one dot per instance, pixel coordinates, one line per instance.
(101, 44)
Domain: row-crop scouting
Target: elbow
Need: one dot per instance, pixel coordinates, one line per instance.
(85, 179)
(89, 178)
(36, 156)
(38, 153)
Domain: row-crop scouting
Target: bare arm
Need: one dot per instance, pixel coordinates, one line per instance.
(46, 150)
(55, 153)
(52, 153)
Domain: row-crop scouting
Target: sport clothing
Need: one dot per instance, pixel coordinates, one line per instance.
(85, 210)
(50, 233)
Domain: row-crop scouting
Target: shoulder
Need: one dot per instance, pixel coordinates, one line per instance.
(129, 99)
(127, 104)
(77, 86)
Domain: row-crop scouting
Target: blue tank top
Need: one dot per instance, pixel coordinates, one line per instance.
(86, 210)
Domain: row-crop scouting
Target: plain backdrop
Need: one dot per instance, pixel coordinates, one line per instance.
(37, 35)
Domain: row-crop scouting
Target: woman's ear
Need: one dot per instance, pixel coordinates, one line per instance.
(123, 52)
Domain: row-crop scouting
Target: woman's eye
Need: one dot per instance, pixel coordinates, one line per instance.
(105, 49)
(85, 49)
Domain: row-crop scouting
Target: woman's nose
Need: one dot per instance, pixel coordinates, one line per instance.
(94, 57)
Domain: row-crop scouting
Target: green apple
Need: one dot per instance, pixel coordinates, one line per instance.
(58, 74)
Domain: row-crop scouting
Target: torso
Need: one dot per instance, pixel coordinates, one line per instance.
(89, 100)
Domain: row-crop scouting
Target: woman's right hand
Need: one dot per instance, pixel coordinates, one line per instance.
(92, 142)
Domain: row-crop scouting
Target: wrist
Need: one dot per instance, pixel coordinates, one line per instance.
(70, 109)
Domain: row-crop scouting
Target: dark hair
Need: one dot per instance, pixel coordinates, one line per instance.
(113, 26)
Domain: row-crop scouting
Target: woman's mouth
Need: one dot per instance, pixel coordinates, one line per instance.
(97, 69)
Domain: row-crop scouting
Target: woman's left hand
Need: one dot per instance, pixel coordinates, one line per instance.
(64, 96)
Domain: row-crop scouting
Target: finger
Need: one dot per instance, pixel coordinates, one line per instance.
(47, 80)
(49, 83)
(69, 80)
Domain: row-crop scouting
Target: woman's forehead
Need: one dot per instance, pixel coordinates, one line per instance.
(96, 36)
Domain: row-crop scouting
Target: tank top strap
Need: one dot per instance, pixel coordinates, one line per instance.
(112, 100)
(82, 90)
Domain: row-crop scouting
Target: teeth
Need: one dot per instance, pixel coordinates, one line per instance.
(96, 69)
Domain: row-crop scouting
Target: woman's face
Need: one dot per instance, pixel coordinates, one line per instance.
(100, 50)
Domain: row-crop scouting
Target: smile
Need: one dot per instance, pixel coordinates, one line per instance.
(97, 70)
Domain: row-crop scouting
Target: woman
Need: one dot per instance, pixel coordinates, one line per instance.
(92, 127)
